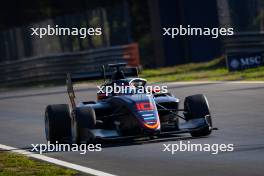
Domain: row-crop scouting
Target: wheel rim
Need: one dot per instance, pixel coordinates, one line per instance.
(208, 120)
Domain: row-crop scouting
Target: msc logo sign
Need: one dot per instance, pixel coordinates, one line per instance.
(240, 62)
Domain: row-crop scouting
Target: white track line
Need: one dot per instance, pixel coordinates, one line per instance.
(56, 161)
(213, 82)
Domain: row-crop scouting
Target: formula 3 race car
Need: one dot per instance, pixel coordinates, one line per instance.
(125, 115)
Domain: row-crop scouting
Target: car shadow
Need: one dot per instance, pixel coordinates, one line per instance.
(143, 140)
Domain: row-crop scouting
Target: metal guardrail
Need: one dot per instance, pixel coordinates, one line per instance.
(54, 67)
(244, 43)
(244, 50)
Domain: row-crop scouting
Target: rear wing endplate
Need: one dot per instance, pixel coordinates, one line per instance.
(70, 90)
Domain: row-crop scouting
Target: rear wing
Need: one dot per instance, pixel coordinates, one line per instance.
(70, 90)
(128, 72)
(104, 74)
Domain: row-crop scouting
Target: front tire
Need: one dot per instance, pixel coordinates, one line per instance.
(57, 123)
(196, 106)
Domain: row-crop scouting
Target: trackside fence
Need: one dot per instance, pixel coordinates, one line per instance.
(55, 67)
(244, 50)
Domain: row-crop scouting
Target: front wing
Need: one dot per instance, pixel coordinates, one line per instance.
(186, 127)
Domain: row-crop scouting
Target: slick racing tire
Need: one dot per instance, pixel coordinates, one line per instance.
(57, 123)
(196, 106)
(83, 121)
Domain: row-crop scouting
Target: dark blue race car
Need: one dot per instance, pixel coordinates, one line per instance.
(128, 114)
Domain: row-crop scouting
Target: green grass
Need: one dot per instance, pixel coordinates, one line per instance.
(214, 70)
(18, 165)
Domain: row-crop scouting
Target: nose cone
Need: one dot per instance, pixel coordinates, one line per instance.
(145, 110)
(148, 114)
(150, 120)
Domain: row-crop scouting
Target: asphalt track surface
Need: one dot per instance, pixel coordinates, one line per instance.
(237, 109)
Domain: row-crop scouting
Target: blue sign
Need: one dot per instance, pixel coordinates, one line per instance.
(244, 61)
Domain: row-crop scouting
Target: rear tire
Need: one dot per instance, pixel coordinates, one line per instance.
(177, 123)
(196, 106)
(83, 121)
(57, 123)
